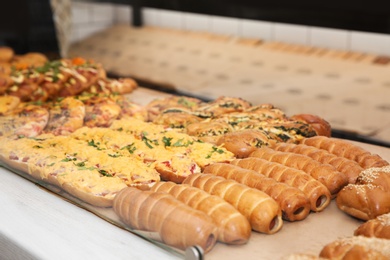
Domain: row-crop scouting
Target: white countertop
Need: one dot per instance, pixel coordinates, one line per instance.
(35, 224)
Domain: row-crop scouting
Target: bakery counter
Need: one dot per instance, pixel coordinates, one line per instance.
(38, 222)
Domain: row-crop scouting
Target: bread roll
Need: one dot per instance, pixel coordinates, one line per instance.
(242, 143)
(177, 224)
(320, 125)
(378, 227)
(315, 191)
(324, 173)
(349, 168)
(369, 197)
(6, 54)
(292, 201)
(261, 210)
(233, 227)
(346, 149)
(209, 130)
(357, 248)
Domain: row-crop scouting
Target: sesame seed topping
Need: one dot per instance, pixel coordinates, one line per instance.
(384, 219)
(371, 174)
(373, 243)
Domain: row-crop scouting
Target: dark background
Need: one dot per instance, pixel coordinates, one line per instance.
(369, 16)
(27, 25)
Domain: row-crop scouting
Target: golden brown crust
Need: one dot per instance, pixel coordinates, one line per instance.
(378, 227)
(320, 125)
(346, 149)
(363, 201)
(209, 131)
(357, 248)
(155, 107)
(369, 197)
(6, 54)
(324, 173)
(261, 210)
(292, 201)
(223, 105)
(243, 143)
(176, 119)
(178, 224)
(233, 227)
(318, 195)
(30, 59)
(349, 168)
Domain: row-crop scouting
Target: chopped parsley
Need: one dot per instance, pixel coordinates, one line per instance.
(148, 142)
(95, 144)
(130, 148)
(215, 149)
(105, 173)
(167, 141)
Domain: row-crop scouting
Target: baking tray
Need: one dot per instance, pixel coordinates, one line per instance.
(307, 236)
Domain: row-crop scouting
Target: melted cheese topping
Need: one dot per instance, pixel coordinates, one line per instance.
(176, 142)
(102, 161)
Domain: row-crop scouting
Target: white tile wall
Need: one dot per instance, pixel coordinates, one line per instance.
(197, 22)
(290, 33)
(102, 13)
(329, 38)
(151, 16)
(224, 25)
(89, 17)
(171, 19)
(123, 14)
(370, 42)
(256, 29)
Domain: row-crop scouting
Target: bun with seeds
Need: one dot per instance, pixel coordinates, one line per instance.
(357, 248)
(369, 196)
(377, 227)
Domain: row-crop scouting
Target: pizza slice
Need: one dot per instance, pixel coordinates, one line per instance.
(66, 116)
(171, 165)
(82, 169)
(172, 141)
(100, 111)
(51, 165)
(25, 120)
